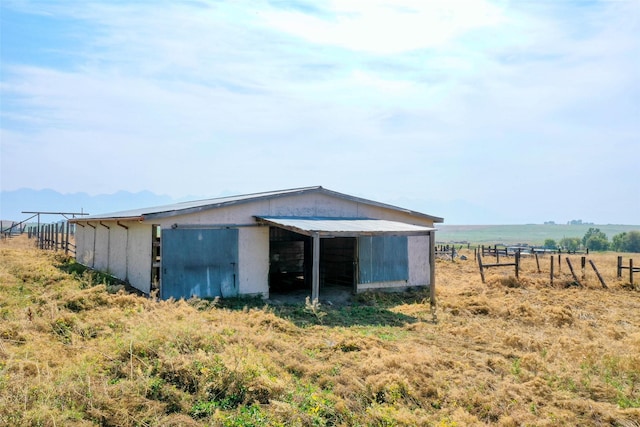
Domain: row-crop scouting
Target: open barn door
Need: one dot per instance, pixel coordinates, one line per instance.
(199, 262)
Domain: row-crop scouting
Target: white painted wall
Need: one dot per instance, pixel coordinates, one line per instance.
(102, 243)
(118, 251)
(111, 251)
(85, 255)
(139, 254)
(80, 242)
(419, 267)
(253, 261)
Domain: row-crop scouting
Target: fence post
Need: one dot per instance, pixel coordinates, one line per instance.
(551, 273)
(66, 246)
(62, 236)
(631, 271)
(572, 272)
(619, 267)
(604, 285)
(481, 269)
(517, 264)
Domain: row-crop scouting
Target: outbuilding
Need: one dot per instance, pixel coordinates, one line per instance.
(263, 243)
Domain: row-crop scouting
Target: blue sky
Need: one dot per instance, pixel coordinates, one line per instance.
(478, 111)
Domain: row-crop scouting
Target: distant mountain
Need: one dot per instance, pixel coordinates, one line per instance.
(13, 203)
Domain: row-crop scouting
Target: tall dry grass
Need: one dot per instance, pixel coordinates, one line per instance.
(508, 352)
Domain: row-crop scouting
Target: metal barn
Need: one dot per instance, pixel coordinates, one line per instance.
(260, 244)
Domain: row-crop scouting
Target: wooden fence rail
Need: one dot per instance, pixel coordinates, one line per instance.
(515, 264)
(552, 270)
(631, 269)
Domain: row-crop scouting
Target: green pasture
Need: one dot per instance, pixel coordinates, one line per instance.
(533, 234)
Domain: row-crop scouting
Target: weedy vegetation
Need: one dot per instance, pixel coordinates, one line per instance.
(77, 349)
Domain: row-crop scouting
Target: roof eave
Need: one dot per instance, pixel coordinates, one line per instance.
(121, 218)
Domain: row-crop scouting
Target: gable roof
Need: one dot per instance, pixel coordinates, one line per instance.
(206, 204)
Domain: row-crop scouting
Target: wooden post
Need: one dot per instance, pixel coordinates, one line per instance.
(315, 272)
(572, 272)
(62, 235)
(517, 264)
(495, 249)
(66, 247)
(559, 263)
(631, 271)
(583, 263)
(432, 274)
(551, 274)
(481, 268)
(537, 261)
(604, 285)
(56, 232)
(619, 267)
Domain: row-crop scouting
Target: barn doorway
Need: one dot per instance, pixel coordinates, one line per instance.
(288, 251)
(290, 266)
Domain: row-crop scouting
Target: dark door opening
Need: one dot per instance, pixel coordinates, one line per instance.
(338, 263)
(289, 270)
(291, 259)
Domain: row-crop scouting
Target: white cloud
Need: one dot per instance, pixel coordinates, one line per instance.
(387, 27)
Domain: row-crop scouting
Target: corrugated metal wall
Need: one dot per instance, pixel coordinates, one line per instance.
(382, 259)
(199, 262)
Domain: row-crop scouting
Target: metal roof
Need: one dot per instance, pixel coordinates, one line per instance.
(200, 205)
(191, 206)
(346, 227)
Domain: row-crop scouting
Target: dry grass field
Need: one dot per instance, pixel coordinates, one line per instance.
(76, 351)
